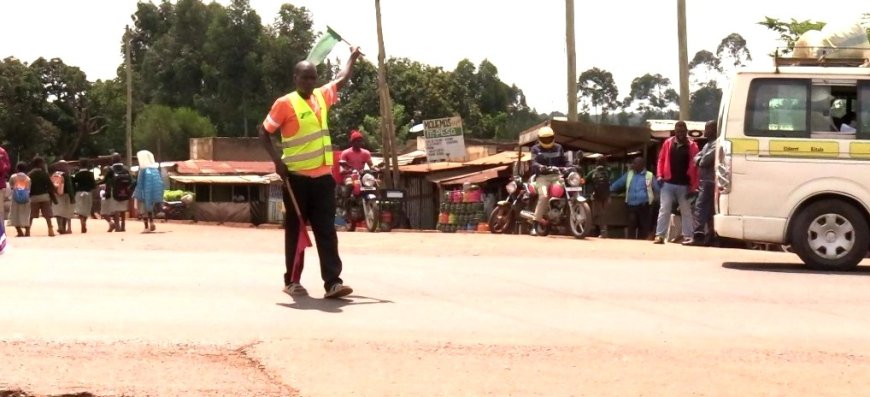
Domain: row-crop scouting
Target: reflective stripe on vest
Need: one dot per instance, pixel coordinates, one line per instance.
(649, 188)
(311, 147)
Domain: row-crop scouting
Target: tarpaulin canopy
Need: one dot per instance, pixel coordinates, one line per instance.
(590, 137)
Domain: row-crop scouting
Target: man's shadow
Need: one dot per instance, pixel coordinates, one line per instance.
(306, 302)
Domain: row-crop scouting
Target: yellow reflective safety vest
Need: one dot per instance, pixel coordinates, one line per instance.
(311, 147)
(649, 187)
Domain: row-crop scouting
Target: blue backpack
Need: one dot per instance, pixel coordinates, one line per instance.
(20, 195)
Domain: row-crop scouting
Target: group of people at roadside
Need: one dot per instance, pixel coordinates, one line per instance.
(58, 191)
(682, 171)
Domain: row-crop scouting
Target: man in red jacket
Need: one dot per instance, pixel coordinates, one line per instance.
(679, 176)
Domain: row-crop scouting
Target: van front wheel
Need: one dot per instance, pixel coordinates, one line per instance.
(830, 235)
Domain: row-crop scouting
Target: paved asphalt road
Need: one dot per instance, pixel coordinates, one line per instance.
(197, 310)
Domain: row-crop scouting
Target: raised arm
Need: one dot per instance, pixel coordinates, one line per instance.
(346, 73)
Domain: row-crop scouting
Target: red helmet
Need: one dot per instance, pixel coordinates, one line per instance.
(354, 135)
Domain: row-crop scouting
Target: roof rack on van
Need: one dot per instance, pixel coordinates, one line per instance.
(822, 61)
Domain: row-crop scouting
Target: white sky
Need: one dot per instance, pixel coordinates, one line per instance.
(526, 40)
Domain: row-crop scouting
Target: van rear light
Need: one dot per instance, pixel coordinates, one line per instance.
(723, 167)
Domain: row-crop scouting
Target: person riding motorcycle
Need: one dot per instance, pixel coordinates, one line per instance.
(354, 158)
(547, 158)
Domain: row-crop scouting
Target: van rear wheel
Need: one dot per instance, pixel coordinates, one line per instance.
(830, 235)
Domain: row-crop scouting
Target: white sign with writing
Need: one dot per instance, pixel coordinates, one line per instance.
(444, 139)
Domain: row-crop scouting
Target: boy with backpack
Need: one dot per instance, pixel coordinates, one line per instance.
(119, 190)
(19, 214)
(85, 183)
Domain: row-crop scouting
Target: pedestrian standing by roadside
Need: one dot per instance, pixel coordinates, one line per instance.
(306, 164)
(640, 189)
(149, 188)
(41, 193)
(5, 170)
(704, 207)
(63, 210)
(599, 179)
(84, 184)
(679, 177)
(19, 213)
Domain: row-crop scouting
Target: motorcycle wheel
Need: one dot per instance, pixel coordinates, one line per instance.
(500, 220)
(373, 215)
(580, 219)
(541, 229)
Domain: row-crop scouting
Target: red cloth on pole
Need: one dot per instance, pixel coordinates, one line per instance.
(336, 170)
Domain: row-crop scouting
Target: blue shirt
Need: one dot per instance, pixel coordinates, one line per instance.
(637, 191)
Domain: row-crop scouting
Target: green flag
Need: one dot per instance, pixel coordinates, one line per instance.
(323, 47)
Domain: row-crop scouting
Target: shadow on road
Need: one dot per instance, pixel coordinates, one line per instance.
(330, 305)
(790, 268)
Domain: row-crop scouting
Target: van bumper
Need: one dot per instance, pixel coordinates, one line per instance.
(751, 228)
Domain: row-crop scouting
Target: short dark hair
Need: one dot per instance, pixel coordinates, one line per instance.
(21, 166)
(37, 162)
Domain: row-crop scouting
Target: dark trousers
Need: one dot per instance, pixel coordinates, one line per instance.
(639, 221)
(316, 199)
(704, 207)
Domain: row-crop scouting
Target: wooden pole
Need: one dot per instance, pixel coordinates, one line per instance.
(129, 120)
(684, 60)
(388, 128)
(572, 60)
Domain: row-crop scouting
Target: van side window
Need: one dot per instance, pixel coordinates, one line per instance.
(778, 108)
(862, 122)
(833, 109)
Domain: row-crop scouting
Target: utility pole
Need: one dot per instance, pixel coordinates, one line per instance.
(388, 128)
(684, 60)
(572, 60)
(129, 96)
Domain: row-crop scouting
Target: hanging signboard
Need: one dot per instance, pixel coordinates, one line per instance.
(444, 139)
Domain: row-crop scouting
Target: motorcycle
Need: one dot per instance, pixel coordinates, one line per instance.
(505, 217)
(567, 205)
(363, 199)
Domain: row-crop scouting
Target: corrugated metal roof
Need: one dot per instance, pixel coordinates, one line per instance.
(508, 157)
(227, 179)
(429, 167)
(208, 167)
(479, 176)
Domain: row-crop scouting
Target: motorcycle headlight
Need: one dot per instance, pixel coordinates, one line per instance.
(511, 187)
(574, 179)
(368, 180)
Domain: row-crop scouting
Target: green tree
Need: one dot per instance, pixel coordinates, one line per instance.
(598, 91)
(166, 131)
(286, 42)
(65, 105)
(652, 96)
(790, 31)
(21, 101)
(732, 52)
(704, 102)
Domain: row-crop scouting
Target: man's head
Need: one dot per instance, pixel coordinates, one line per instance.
(38, 162)
(305, 78)
(681, 131)
(356, 139)
(710, 130)
(116, 158)
(546, 137)
(21, 167)
(638, 164)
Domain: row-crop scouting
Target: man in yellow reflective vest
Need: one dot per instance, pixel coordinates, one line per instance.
(306, 161)
(640, 188)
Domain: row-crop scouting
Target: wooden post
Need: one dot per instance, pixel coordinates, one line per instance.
(129, 120)
(572, 60)
(684, 60)
(388, 128)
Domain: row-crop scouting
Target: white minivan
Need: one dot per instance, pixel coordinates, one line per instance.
(793, 165)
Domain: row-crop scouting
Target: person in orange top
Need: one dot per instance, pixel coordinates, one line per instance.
(306, 163)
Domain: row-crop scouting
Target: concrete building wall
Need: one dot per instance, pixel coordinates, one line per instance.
(228, 149)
